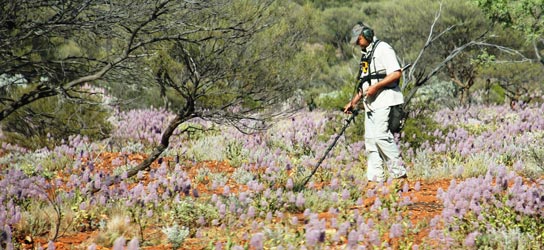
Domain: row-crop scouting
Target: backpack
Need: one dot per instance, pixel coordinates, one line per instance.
(397, 118)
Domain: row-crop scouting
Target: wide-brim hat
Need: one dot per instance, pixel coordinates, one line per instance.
(355, 32)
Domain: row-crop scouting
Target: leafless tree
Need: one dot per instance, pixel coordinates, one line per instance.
(456, 62)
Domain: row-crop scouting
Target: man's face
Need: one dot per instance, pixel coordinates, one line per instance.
(361, 41)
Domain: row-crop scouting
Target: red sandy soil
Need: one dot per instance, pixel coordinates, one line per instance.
(425, 205)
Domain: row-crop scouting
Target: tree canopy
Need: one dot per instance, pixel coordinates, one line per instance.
(521, 15)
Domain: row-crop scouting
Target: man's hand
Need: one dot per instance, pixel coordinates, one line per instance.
(348, 108)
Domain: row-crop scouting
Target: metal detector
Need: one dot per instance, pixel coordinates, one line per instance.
(300, 186)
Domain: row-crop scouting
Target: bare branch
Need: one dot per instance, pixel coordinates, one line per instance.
(537, 53)
(429, 41)
(439, 67)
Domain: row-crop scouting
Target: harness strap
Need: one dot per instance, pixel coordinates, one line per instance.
(366, 60)
(372, 76)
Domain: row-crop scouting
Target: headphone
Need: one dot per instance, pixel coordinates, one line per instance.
(367, 32)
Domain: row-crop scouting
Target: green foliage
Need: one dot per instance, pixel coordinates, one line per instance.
(37, 220)
(235, 153)
(176, 235)
(48, 217)
(219, 179)
(321, 201)
(335, 28)
(496, 94)
(335, 100)
(517, 81)
(401, 24)
(189, 212)
(209, 148)
(534, 154)
(203, 175)
(326, 4)
(354, 132)
(319, 67)
(419, 129)
(246, 73)
(51, 121)
(142, 95)
(524, 16)
(68, 49)
(242, 176)
(86, 219)
(44, 165)
(434, 95)
(497, 225)
(507, 239)
(521, 15)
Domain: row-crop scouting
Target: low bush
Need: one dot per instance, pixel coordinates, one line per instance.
(479, 210)
(51, 121)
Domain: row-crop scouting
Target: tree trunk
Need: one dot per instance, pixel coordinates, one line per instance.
(487, 89)
(187, 113)
(465, 95)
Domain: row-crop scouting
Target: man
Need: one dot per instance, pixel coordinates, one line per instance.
(380, 73)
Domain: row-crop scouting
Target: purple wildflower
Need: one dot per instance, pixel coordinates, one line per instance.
(470, 240)
(133, 244)
(300, 200)
(353, 239)
(257, 241)
(119, 243)
(50, 246)
(294, 220)
(395, 231)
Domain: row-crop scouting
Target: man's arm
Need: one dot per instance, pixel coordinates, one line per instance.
(391, 78)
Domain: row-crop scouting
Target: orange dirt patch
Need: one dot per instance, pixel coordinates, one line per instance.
(425, 205)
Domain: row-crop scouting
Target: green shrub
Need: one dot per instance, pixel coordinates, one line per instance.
(419, 129)
(189, 213)
(507, 239)
(435, 94)
(176, 235)
(51, 121)
(315, 202)
(235, 153)
(242, 176)
(501, 227)
(335, 100)
(45, 218)
(209, 148)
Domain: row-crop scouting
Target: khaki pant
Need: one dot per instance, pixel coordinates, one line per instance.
(381, 147)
